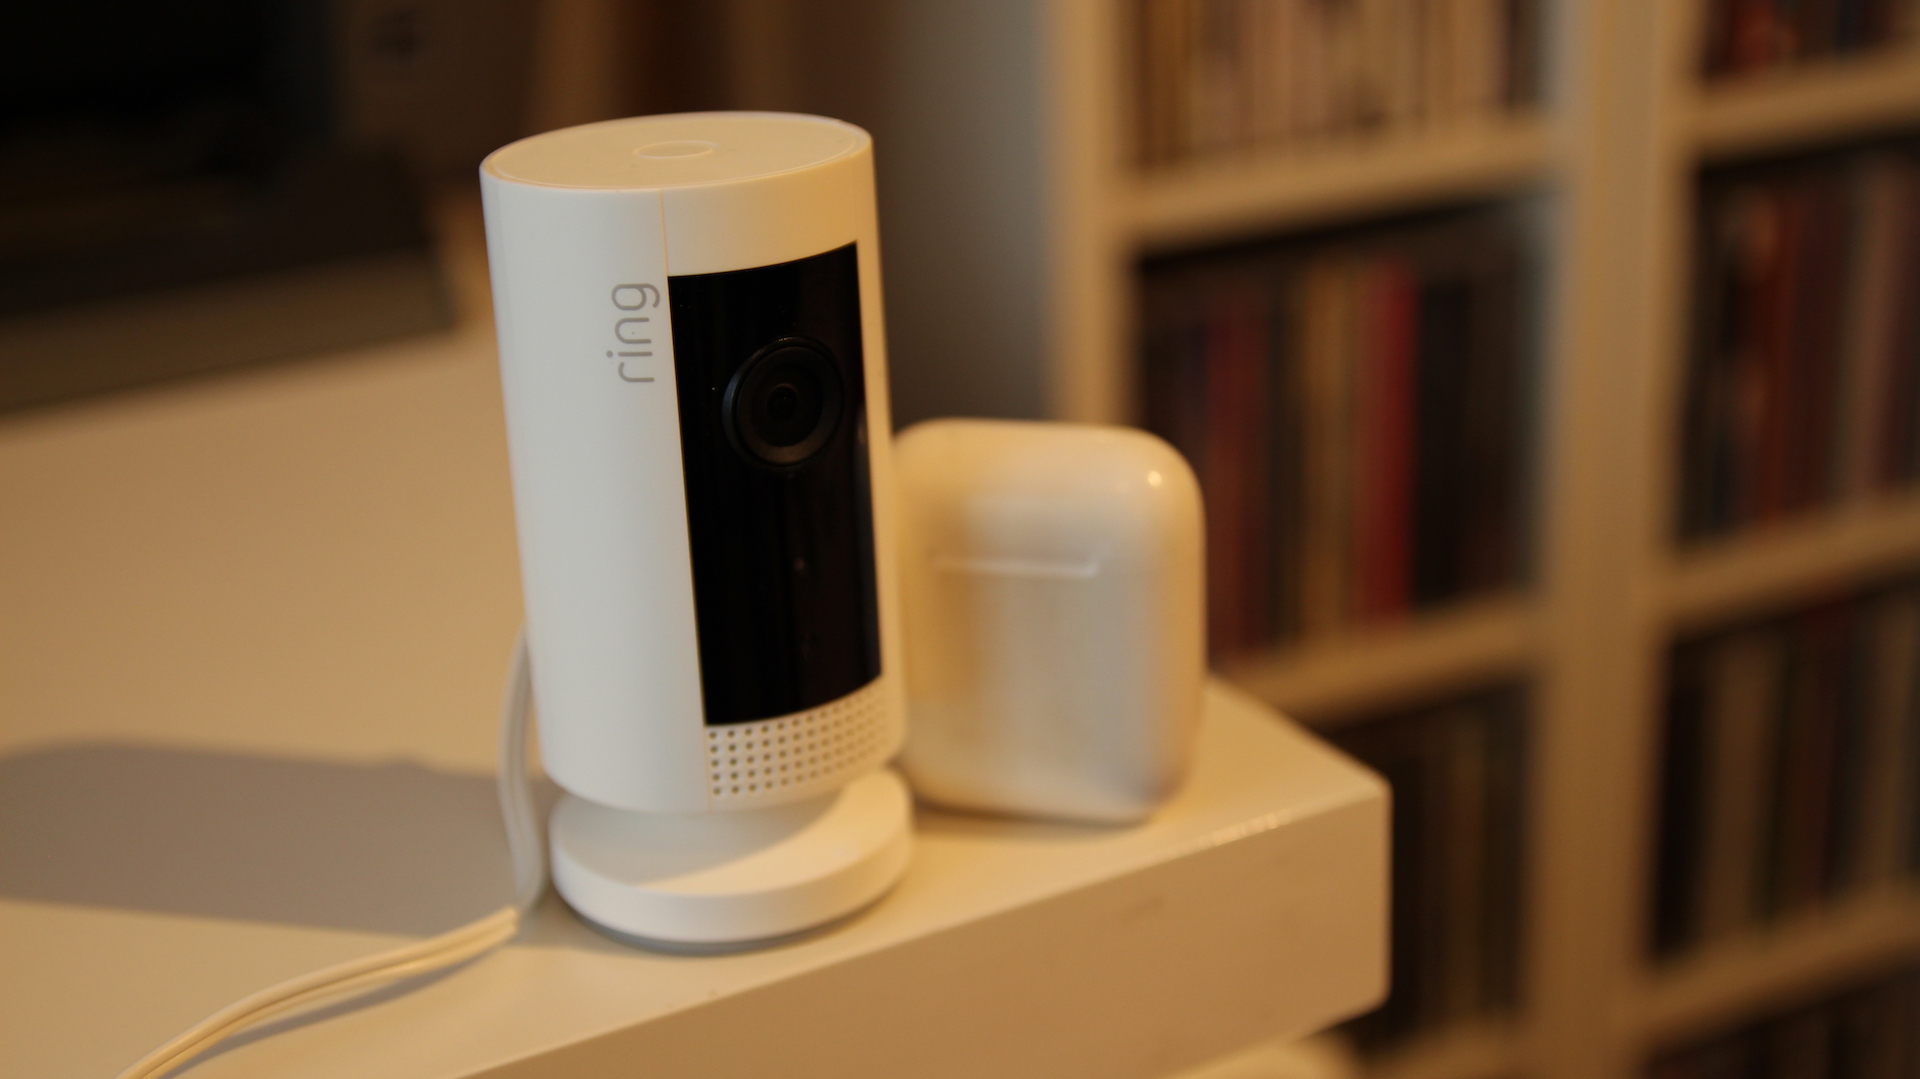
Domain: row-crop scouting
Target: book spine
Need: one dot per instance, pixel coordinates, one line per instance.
(1356, 420)
(1744, 36)
(1746, 672)
(1441, 431)
(1714, 418)
(1809, 395)
(1865, 374)
(1804, 382)
(1489, 541)
(1899, 454)
(1383, 532)
(1457, 769)
(1791, 774)
(1328, 350)
(1461, 965)
(1224, 76)
(1682, 808)
(1236, 482)
(1888, 746)
(1802, 797)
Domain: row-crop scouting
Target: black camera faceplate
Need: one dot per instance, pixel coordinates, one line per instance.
(781, 535)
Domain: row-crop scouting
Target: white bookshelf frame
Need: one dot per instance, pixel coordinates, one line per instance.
(1211, 199)
(1372, 668)
(1739, 978)
(1624, 124)
(1765, 567)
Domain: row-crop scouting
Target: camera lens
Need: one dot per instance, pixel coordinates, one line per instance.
(784, 404)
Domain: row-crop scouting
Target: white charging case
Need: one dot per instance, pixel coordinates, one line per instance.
(1052, 586)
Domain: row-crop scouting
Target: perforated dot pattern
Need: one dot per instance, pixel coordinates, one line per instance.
(795, 755)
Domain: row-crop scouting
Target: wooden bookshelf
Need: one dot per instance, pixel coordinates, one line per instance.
(1609, 159)
(1737, 979)
(1210, 199)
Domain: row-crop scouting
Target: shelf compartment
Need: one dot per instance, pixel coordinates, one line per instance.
(1815, 102)
(1729, 983)
(1211, 199)
(1775, 564)
(1349, 676)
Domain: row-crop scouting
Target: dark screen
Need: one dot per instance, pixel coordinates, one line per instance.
(783, 567)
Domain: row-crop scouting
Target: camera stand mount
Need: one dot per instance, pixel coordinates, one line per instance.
(718, 882)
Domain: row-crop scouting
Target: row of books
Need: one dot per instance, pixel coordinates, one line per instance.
(1457, 772)
(1792, 766)
(1804, 383)
(1871, 1031)
(1352, 405)
(1744, 36)
(1223, 75)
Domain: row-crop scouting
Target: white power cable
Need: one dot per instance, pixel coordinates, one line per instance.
(525, 842)
(437, 953)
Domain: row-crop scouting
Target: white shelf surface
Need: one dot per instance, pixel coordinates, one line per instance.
(1241, 194)
(252, 631)
(1816, 102)
(1252, 905)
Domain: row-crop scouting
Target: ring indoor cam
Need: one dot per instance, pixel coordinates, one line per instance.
(695, 381)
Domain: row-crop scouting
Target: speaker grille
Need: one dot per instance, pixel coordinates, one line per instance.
(794, 756)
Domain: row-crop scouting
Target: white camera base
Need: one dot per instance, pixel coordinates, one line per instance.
(717, 882)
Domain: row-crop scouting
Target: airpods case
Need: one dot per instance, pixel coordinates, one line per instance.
(1053, 600)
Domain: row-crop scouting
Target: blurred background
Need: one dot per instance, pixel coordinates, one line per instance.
(1551, 368)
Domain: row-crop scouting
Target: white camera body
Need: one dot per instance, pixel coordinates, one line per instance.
(694, 369)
